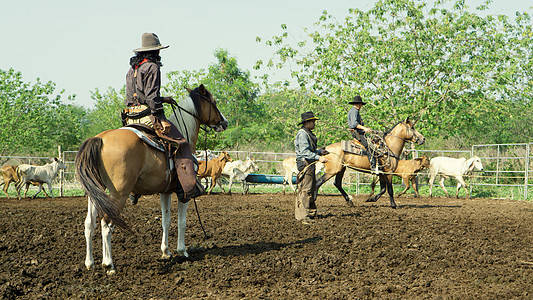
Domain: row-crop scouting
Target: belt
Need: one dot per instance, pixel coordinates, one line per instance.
(133, 110)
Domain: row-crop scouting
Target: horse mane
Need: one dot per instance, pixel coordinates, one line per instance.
(185, 122)
(389, 131)
(195, 96)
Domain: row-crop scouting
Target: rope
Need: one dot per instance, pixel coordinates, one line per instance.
(342, 163)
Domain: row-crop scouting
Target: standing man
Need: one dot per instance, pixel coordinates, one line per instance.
(307, 155)
(145, 106)
(358, 129)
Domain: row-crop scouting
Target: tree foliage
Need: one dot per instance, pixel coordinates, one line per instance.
(33, 119)
(236, 97)
(448, 67)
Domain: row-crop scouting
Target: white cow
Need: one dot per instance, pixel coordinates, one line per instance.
(238, 170)
(452, 167)
(40, 174)
(202, 154)
(289, 168)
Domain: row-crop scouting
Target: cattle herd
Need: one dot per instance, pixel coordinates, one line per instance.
(223, 166)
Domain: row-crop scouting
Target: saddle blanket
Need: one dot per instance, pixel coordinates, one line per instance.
(154, 144)
(351, 147)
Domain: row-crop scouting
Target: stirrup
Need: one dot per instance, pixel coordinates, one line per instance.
(375, 170)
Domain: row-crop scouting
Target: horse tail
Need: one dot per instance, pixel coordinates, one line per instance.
(87, 161)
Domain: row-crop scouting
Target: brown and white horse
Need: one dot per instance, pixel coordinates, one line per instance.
(338, 160)
(117, 160)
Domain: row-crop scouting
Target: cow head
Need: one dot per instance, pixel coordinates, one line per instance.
(474, 163)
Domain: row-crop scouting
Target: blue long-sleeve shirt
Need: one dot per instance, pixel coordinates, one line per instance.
(354, 119)
(304, 147)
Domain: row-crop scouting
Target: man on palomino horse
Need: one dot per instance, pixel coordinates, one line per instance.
(145, 106)
(356, 126)
(307, 154)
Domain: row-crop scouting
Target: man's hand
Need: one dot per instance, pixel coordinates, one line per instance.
(166, 127)
(169, 100)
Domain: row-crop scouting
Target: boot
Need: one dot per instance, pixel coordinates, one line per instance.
(190, 185)
(374, 169)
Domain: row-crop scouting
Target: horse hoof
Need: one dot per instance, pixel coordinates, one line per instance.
(350, 203)
(110, 269)
(183, 253)
(166, 256)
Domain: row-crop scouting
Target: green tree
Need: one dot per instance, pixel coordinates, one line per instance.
(106, 112)
(452, 69)
(33, 119)
(236, 97)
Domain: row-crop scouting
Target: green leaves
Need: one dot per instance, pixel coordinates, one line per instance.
(33, 119)
(443, 65)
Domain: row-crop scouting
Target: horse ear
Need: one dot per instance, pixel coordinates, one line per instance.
(188, 89)
(202, 89)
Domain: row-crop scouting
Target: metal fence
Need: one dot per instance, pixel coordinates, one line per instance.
(506, 166)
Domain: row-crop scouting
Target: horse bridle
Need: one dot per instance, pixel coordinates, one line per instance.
(410, 129)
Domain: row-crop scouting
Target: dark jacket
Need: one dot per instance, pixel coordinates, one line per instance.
(147, 86)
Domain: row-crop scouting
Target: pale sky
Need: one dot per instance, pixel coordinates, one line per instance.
(84, 45)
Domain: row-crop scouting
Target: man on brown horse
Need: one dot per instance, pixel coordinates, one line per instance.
(305, 144)
(358, 129)
(145, 106)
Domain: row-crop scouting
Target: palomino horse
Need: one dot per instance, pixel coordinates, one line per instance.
(338, 160)
(117, 160)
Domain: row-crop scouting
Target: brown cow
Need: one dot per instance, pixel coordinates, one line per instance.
(407, 170)
(9, 174)
(213, 168)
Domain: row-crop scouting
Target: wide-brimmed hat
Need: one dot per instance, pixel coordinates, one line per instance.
(357, 99)
(308, 116)
(150, 42)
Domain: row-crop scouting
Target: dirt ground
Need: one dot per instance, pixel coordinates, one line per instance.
(427, 248)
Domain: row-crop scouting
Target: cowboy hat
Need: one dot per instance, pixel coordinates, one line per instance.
(357, 99)
(150, 42)
(308, 116)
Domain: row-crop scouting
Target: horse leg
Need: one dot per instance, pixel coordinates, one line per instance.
(182, 222)
(382, 190)
(90, 227)
(441, 183)
(390, 190)
(165, 223)
(373, 186)
(119, 198)
(338, 185)
(107, 258)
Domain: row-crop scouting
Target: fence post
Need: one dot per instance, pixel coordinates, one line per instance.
(60, 156)
(526, 177)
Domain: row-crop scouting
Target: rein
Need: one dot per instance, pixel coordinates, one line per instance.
(181, 109)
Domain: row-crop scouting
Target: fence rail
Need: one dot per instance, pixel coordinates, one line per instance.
(505, 165)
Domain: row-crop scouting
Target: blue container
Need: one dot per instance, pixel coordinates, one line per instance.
(267, 178)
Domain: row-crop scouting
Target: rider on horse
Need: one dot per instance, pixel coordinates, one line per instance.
(145, 106)
(356, 126)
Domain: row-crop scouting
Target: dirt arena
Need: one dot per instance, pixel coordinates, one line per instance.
(427, 248)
